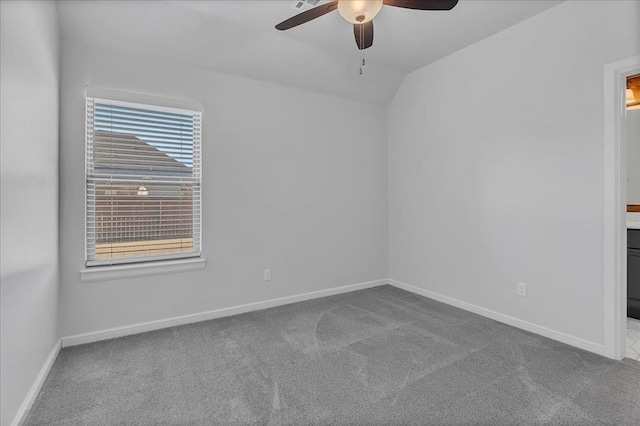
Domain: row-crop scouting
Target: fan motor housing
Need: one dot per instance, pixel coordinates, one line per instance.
(359, 12)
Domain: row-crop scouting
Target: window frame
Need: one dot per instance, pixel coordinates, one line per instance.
(97, 270)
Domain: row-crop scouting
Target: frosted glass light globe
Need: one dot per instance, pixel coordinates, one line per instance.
(359, 11)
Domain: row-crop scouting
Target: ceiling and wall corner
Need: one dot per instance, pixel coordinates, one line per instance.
(238, 37)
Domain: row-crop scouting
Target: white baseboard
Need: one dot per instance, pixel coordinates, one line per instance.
(506, 319)
(21, 415)
(127, 330)
(224, 312)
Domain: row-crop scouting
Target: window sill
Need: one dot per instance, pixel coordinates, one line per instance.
(115, 272)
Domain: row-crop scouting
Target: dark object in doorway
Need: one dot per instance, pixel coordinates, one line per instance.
(633, 273)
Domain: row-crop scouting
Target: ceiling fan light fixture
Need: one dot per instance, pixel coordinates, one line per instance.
(359, 11)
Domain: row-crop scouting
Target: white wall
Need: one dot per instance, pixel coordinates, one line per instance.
(496, 168)
(29, 196)
(633, 156)
(293, 180)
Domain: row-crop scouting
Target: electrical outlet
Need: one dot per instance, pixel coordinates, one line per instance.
(522, 290)
(267, 274)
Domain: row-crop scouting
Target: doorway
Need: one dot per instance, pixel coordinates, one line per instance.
(632, 137)
(615, 205)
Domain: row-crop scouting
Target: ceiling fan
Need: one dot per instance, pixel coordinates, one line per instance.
(361, 13)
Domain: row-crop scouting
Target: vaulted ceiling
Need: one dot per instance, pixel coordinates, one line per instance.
(238, 37)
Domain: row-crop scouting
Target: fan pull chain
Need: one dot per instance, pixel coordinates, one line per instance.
(361, 45)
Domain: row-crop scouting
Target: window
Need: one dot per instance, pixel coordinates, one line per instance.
(143, 181)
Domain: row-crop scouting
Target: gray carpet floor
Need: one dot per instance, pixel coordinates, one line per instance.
(377, 356)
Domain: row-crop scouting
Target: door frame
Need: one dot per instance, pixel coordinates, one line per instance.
(615, 205)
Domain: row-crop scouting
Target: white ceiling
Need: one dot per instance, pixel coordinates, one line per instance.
(238, 37)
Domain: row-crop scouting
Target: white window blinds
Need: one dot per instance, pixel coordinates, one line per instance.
(142, 182)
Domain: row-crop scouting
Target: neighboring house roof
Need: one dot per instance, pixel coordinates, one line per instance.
(126, 153)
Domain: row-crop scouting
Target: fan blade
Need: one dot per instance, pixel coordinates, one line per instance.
(364, 34)
(423, 4)
(307, 16)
